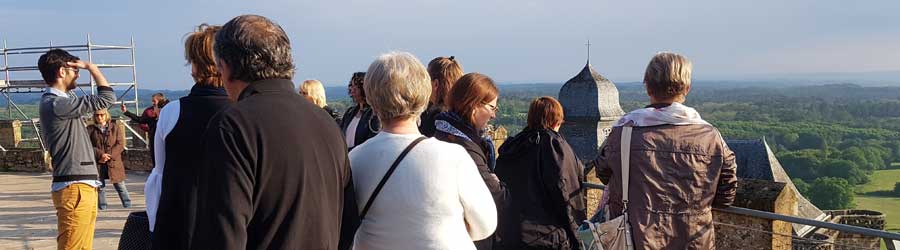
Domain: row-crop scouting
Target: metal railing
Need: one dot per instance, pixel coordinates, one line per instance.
(891, 240)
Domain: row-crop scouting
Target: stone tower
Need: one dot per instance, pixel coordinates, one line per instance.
(591, 106)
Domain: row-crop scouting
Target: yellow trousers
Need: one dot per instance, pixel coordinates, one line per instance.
(76, 212)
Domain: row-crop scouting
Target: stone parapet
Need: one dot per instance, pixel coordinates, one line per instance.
(10, 133)
(735, 231)
(859, 218)
(138, 159)
(25, 160)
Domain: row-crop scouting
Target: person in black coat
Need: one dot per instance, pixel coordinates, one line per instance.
(472, 103)
(546, 203)
(444, 71)
(171, 189)
(359, 123)
(276, 174)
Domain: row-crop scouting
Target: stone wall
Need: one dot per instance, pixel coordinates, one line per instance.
(38, 161)
(24, 160)
(744, 232)
(859, 218)
(137, 159)
(10, 133)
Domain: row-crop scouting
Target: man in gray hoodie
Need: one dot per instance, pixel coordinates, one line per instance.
(75, 182)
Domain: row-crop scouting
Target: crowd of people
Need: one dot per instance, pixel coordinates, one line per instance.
(245, 161)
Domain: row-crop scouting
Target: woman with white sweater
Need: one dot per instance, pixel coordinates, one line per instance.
(414, 193)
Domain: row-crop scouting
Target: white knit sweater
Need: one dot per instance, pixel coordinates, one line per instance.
(435, 192)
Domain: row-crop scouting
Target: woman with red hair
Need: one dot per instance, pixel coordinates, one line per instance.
(471, 104)
(546, 205)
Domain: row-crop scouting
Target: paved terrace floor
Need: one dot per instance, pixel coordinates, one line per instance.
(28, 220)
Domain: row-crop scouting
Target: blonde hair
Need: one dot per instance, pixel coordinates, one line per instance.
(668, 75)
(397, 86)
(314, 91)
(105, 111)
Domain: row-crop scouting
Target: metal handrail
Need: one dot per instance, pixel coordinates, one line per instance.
(888, 237)
(822, 224)
(136, 134)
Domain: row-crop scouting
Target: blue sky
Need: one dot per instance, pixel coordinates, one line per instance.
(511, 41)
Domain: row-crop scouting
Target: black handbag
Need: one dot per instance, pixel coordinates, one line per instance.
(136, 234)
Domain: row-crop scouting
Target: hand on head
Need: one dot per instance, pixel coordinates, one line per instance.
(80, 64)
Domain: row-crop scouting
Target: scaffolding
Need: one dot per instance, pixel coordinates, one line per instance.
(11, 85)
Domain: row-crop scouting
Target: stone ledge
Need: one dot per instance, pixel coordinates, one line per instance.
(25, 160)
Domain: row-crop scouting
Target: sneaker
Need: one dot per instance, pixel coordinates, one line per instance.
(126, 204)
(102, 207)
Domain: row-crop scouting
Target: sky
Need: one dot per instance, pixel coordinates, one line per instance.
(524, 41)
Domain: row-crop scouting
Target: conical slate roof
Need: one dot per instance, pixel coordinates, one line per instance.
(755, 160)
(590, 96)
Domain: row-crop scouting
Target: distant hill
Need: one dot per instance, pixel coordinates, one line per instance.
(628, 91)
(889, 78)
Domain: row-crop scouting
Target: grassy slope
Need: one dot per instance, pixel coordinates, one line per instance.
(882, 180)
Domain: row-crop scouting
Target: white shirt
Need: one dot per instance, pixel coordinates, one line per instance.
(168, 117)
(56, 186)
(350, 134)
(434, 192)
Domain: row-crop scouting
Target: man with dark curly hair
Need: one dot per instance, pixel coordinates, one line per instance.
(276, 173)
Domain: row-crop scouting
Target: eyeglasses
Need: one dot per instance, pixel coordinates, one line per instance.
(492, 108)
(73, 69)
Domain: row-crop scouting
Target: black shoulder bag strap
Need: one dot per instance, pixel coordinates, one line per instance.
(388, 175)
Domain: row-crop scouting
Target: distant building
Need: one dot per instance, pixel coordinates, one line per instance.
(591, 106)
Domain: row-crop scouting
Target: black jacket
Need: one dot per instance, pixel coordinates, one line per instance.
(368, 124)
(276, 175)
(426, 125)
(546, 202)
(178, 199)
(481, 152)
(334, 114)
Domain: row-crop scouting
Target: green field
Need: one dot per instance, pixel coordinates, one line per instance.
(882, 180)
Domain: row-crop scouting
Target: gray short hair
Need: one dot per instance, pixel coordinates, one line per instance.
(254, 48)
(397, 86)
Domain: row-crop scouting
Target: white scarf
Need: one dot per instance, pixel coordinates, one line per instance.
(675, 114)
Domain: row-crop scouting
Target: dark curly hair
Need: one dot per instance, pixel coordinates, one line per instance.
(254, 48)
(50, 62)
